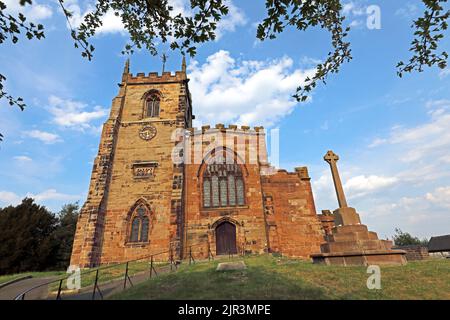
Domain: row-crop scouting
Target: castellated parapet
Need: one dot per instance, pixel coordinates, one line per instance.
(154, 77)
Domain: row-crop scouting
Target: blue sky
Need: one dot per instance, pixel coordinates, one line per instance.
(391, 134)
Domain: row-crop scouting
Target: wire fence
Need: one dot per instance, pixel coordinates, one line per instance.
(98, 282)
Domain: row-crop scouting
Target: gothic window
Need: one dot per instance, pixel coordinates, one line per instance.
(207, 193)
(240, 191)
(152, 107)
(144, 230)
(139, 225)
(135, 230)
(215, 191)
(232, 190)
(223, 185)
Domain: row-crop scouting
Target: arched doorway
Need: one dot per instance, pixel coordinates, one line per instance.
(226, 238)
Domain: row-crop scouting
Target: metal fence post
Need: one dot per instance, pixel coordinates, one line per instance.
(95, 285)
(126, 276)
(151, 266)
(209, 251)
(58, 297)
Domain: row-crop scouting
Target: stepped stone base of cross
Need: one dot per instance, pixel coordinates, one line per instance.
(351, 243)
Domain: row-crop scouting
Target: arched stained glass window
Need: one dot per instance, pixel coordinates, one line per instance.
(223, 184)
(207, 193)
(144, 229)
(153, 106)
(140, 225)
(232, 190)
(240, 191)
(215, 191)
(135, 230)
(223, 192)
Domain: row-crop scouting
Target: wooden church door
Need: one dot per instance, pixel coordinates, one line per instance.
(226, 238)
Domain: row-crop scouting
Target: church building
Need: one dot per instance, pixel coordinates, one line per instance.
(160, 185)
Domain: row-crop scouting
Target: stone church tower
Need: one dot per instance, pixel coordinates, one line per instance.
(133, 173)
(142, 202)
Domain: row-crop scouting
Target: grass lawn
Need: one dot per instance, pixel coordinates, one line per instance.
(11, 277)
(267, 277)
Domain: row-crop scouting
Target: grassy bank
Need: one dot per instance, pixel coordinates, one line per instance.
(279, 278)
(10, 277)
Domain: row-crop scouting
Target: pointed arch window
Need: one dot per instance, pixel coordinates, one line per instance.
(152, 105)
(223, 185)
(139, 225)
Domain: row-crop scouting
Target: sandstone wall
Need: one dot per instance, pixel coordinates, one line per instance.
(294, 228)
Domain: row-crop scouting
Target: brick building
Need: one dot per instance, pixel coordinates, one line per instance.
(158, 184)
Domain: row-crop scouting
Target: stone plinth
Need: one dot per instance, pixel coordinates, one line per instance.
(346, 216)
(351, 243)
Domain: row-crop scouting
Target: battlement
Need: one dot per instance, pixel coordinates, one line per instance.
(232, 128)
(155, 77)
(301, 172)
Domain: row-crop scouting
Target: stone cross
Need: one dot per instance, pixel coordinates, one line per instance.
(332, 159)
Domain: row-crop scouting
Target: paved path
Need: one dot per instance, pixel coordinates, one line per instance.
(11, 291)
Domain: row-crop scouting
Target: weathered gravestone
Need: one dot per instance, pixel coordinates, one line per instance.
(226, 266)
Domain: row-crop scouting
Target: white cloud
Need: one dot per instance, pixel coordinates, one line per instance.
(377, 142)
(110, 22)
(73, 114)
(22, 158)
(432, 137)
(52, 194)
(11, 198)
(409, 11)
(113, 24)
(245, 92)
(33, 13)
(235, 18)
(351, 8)
(353, 12)
(180, 7)
(362, 185)
(46, 137)
(440, 196)
(356, 23)
(355, 186)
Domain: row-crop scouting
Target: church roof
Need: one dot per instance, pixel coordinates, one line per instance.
(438, 244)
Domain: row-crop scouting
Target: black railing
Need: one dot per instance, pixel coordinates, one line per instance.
(153, 270)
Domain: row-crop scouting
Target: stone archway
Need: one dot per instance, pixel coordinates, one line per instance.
(226, 238)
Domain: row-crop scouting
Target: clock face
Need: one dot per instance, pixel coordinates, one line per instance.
(147, 132)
